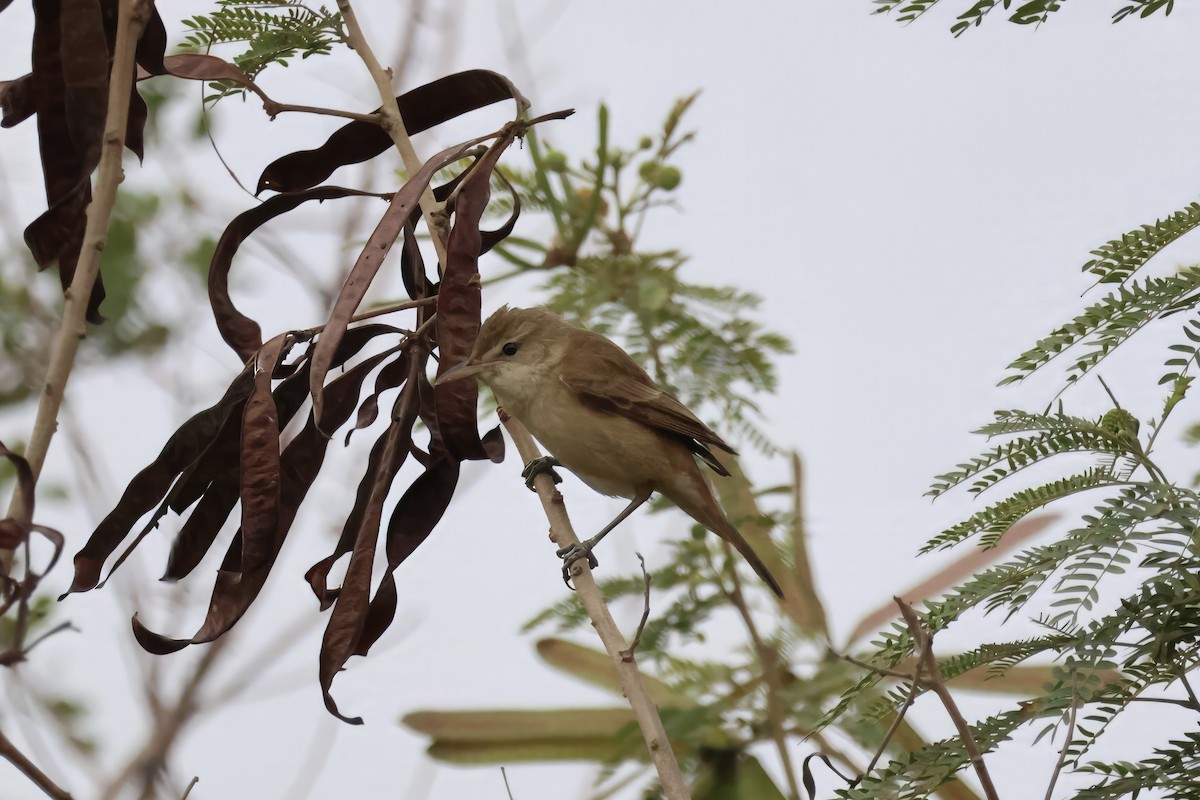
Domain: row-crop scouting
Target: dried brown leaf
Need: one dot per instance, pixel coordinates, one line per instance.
(150, 485)
(240, 579)
(239, 331)
(458, 312)
(368, 264)
(421, 109)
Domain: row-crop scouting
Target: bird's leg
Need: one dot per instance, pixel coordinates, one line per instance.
(536, 467)
(572, 553)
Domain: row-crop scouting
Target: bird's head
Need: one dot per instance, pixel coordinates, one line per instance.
(513, 349)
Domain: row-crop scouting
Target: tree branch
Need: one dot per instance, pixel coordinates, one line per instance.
(393, 124)
(1062, 755)
(630, 679)
(131, 19)
(928, 669)
(10, 753)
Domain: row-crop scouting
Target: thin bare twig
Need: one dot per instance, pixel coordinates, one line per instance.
(132, 16)
(637, 637)
(1062, 755)
(195, 779)
(563, 535)
(891, 673)
(911, 698)
(10, 753)
(1167, 701)
(1187, 687)
(915, 690)
(273, 109)
(507, 788)
(390, 308)
(169, 723)
(59, 628)
(928, 667)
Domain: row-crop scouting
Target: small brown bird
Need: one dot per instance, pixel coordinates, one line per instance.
(602, 417)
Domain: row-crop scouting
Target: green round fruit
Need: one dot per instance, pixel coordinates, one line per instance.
(555, 161)
(649, 171)
(668, 178)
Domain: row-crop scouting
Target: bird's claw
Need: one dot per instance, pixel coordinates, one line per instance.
(537, 466)
(572, 553)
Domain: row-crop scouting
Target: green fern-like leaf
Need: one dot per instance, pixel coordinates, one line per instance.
(274, 30)
(1106, 324)
(1115, 261)
(1035, 12)
(1144, 8)
(996, 520)
(1011, 457)
(975, 15)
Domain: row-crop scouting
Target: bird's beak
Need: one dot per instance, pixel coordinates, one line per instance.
(463, 370)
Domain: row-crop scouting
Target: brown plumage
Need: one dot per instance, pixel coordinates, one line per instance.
(602, 417)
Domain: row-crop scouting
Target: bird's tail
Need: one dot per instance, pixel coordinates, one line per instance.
(709, 515)
(730, 534)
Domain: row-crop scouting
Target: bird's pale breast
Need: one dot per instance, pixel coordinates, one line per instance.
(610, 453)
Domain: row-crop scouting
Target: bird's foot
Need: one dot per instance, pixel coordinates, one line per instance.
(545, 464)
(572, 553)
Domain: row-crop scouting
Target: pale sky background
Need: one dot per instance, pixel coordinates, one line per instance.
(913, 208)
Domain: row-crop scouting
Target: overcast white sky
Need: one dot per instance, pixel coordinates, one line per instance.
(914, 210)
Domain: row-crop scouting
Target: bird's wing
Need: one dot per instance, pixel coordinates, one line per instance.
(622, 387)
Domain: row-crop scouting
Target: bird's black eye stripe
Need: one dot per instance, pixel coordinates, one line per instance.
(511, 348)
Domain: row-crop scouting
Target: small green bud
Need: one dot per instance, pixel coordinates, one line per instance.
(645, 143)
(1120, 421)
(554, 161)
(649, 170)
(668, 178)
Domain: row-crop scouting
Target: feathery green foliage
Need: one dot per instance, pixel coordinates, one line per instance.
(1029, 12)
(274, 30)
(1104, 325)
(1145, 526)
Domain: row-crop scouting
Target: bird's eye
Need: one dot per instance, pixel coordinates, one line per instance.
(511, 348)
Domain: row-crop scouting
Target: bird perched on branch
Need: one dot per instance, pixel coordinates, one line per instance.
(602, 417)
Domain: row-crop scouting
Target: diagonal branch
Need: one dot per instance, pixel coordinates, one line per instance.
(624, 660)
(10, 753)
(131, 20)
(931, 676)
(393, 125)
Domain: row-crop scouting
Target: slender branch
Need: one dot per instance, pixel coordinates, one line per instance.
(191, 784)
(507, 788)
(933, 678)
(169, 722)
(1167, 700)
(393, 124)
(1187, 687)
(891, 673)
(131, 19)
(911, 698)
(390, 308)
(273, 109)
(769, 658)
(589, 594)
(10, 753)
(637, 636)
(1062, 755)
